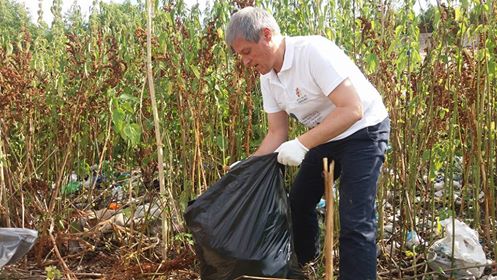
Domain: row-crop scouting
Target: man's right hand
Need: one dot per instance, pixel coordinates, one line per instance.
(291, 152)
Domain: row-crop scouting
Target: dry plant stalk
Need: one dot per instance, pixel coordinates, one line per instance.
(4, 208)
(67, 272)
(328, 240)
(158, 138)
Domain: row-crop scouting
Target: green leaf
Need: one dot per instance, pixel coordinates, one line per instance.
(372, 63)
(127, 97)
(329, 34)
(458, 14)
(195, 71)
(132, 133)
(118, 118)
(220, 143)
(426, 155)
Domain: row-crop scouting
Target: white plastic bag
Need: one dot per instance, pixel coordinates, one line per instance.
(468, 252)
(15, 243)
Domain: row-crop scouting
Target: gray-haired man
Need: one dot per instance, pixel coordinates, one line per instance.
(312, 80)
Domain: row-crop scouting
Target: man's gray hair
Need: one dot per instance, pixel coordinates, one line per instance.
(248, 23)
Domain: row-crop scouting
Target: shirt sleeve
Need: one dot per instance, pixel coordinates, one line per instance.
(329, 65)
(268, 101)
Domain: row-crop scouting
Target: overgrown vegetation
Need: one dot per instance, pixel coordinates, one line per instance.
(73, 99)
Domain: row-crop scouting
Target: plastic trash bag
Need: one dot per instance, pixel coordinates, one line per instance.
(15, 243)
(413, 239)
(468, 252)
(241, 224)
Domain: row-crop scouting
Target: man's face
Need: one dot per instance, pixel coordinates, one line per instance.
(256, 55)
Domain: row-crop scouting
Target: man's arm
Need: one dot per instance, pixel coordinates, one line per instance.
(347, 112)
(277, 133)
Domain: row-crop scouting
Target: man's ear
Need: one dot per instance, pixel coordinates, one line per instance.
(267, 34)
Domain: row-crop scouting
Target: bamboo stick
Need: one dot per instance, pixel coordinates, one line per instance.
(158, 138)
(67, 271)
(328, 241)
(4, 206)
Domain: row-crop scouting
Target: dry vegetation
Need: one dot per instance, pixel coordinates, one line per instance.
(74, 100)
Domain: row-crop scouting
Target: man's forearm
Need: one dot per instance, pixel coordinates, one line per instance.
(336, 123)
(270, 143)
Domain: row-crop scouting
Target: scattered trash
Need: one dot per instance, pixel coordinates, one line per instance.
(73, 177)
(321, 203)
(147, 212)
(439, 193)
(439, 181)
(481, 196)
(413, 239)
(71, 187)
(15, 243)
(390, 247)
(116, 214)
(456, 184)
(321, 207)
(439, 185)
(468, 252)
(117, 193)
(113, 206)
(388, 230)
(95, 178)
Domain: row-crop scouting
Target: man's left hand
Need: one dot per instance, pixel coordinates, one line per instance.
(291, 152)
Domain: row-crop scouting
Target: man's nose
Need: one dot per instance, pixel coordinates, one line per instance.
(246, 61)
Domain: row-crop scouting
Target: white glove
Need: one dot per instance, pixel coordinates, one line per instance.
(291, 152)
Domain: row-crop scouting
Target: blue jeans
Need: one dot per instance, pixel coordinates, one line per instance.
(358, 160)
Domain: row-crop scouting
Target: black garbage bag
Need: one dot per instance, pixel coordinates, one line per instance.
(15, 243)
(241, 225)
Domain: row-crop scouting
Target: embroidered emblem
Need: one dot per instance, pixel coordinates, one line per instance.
(297, 92)
(301, 96)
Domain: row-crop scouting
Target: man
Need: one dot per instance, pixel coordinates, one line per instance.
(311, 79)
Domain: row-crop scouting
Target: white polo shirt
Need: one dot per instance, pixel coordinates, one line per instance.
(313, 67)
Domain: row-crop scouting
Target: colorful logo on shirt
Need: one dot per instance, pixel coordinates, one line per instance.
(297, 92)
(301, 96)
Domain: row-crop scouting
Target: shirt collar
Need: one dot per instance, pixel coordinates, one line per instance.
(287, 59)
(289, 51)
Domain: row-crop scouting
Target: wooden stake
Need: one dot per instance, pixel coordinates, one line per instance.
(4, 206)
(328, 240)
(158, 137)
